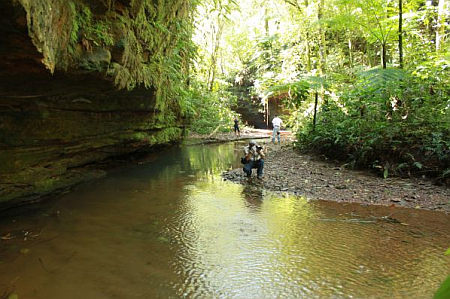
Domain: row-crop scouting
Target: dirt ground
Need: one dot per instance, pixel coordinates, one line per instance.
(287, 170)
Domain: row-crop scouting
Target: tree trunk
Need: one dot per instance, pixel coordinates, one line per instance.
(308, 53)
(308, 46)
(383, 55)
(400, 33)
(316, 101)
(350, 54)
(368, 54)
(322, 46)
(214, 54)
(440, 30)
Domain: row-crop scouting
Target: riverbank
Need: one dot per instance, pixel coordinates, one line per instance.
(246, 134)
(169, 227)
(287, 170)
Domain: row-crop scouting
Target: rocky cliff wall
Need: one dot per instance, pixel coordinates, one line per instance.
(75, 90)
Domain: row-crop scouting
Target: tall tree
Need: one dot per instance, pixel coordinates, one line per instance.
(374, 17)
(212, 17)
(400, 32)
(217, 36)
(300, 10)
(440, 28)
(322, 45)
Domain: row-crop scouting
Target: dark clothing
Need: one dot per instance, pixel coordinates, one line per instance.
(236, 126)
(259, 164)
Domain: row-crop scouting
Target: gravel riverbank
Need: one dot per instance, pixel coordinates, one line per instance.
(287, 170)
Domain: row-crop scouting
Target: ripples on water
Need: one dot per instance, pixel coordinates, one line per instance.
(172, 228)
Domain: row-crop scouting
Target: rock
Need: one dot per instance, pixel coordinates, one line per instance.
(340, 187)
(96, 60)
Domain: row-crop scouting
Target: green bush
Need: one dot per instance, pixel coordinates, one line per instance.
(391, 120)
(208, 111)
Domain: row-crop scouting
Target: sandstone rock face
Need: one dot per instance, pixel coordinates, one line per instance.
(56, 123)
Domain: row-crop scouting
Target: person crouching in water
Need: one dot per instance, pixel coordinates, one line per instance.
(254, 158)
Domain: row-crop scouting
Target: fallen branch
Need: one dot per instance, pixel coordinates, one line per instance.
(214, 131)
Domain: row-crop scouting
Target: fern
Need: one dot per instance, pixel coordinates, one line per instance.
(155, 37)
(377, 77)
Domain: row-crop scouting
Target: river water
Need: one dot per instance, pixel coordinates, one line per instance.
(171, 227)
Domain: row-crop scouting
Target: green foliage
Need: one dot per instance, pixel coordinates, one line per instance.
(152, 40)
(82, 19)
(101, 34)
(157, 51)
(78, 22)
(293, 94)
(392, 120)
(209, 111)
(84, 27)
(389, 121)
(444, 290)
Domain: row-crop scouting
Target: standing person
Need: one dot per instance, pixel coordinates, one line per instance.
(254, 158)
(236, 127)
(276, 122)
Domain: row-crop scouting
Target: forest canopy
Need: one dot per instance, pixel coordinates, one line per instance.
(365, 81)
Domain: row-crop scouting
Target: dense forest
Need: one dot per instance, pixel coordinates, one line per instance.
(366, 82)
(108, 92)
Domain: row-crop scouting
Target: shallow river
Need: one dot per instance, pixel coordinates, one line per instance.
(171, 227)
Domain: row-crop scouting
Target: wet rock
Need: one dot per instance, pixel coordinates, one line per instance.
(96, 60)
(341, 187)
(390, 219)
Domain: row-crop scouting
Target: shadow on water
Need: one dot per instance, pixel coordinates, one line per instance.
(253, 196)
(172, 227)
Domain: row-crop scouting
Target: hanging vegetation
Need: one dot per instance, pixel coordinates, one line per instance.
(137, 42)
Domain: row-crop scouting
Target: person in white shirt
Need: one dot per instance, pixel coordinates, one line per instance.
(276, 122)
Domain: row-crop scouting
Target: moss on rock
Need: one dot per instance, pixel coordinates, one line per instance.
(83, 81)
(151, 41)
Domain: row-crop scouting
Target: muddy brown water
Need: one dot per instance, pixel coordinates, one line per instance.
(171, 227)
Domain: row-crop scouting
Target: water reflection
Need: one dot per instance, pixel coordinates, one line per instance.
(253, 196)
(173, 228)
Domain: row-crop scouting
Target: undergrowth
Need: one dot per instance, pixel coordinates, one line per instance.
(396, 122)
